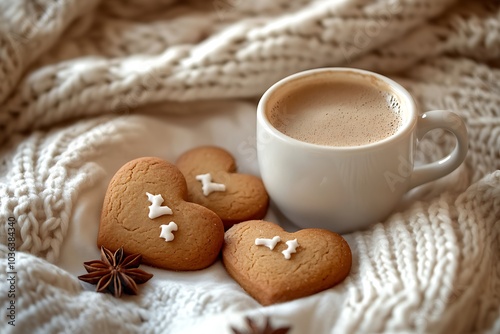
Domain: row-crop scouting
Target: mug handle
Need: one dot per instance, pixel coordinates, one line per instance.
(442, 119)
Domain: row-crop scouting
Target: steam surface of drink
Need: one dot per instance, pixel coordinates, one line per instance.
(343, 113)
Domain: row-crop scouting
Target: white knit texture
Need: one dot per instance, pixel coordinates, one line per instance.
(71, 72)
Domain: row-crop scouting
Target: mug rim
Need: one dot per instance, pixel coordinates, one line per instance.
(406, 100)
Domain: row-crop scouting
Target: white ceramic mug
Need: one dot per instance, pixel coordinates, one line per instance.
(344, 189)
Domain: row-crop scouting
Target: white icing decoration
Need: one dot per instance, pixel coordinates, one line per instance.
(166, 231)
(155, 209)
(269, 243)
(208, 186)
(292, 246)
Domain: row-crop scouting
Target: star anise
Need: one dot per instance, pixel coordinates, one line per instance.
(115, 273)
(255, 329)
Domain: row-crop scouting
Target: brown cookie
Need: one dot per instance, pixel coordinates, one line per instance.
(146, 211)
(212, 181)
(275, 266)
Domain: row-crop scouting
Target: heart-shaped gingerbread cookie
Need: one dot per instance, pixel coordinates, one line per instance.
(212, 181)
(146, 211)
(275, 266)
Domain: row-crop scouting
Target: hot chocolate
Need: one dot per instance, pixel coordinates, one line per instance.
(346, 112)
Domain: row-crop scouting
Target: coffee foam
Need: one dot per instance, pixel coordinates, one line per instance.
(338, 113)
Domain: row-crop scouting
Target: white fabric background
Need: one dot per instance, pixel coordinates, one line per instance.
(78, 83)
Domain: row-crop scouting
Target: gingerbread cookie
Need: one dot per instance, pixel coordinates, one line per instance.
(212, 181)
(275, 266)
(146, 211)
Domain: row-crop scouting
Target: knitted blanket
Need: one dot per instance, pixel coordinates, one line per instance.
(87, 85)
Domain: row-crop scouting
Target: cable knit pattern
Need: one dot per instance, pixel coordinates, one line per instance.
(236, 62)
(72, 71)
(46, 172)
